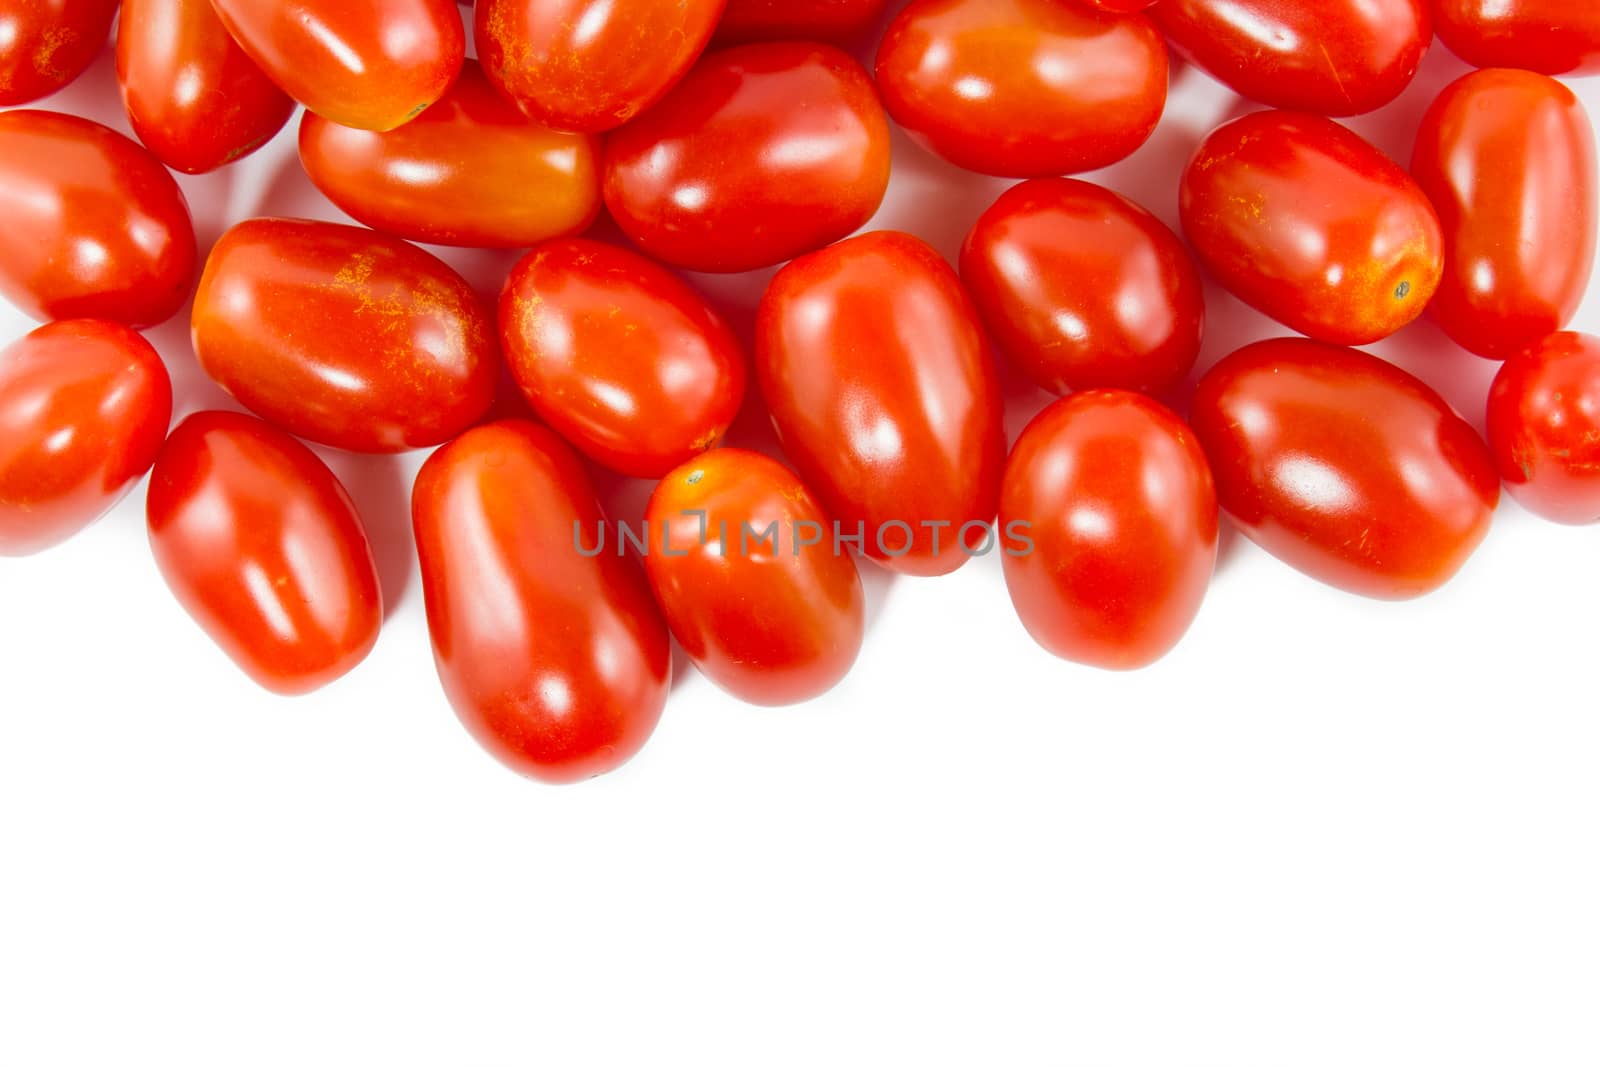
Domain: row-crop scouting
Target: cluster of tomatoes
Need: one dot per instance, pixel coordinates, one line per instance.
(736, 135)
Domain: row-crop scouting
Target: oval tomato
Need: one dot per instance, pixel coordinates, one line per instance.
(263, 548)
(1544, 427)
(556, 660)
(1115, 499)
(743, 562)
(839, 21)
(94, 226)
(1084, 289)
(1508, 159)
(1310, 224)
(763, 152)
(1345, 467)
(1549, 36)
(344, 336)
(44, 44)
(880, 384)
(84, 407)
(620, 356)
(1023, 88)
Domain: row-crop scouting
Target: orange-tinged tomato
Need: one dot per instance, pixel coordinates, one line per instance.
(44, 44)
(1544, 427)
(839, 21)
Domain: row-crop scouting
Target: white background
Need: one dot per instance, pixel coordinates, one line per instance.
(1324, 831)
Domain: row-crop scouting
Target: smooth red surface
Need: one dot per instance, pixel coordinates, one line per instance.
(772, 620)
(92, 226)
(1508, 159)
(344, 336)
(880, 383)
(263, 548)
(1345, 466)
(1549, 36)
(1084, 289)
(762, 153)
(839, 21)
(1120, 6)
(1121, 521)
(556, 662)
(44, 44)
(1544, 427)
(619, 355)
(84, 407)
(1310, 224)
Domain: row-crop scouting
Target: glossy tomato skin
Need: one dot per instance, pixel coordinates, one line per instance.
(1121, 522)
(471, 170)
(873, 364)
(1123, 7)
(1508, 159)
(344, 336)
(774, 620)
(94, 227)
(45, 44)
(1331, 57)
(1084, 289)
(1549, 36)
(84, 407)
(1023, 88)
(620, 356)
(263, 548)
(1544, 427)
(763, 152)
(838, 21)
(371, 64)
(1345, 466)
(194, 98)
(1310, 224)
(557, 661)
(590, 65)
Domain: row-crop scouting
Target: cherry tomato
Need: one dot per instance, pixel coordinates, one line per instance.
(590, 65)
(620, 356)
(44, 44)
(763, 152)
(873, 364)
(1508, 159)
(263, 548)
(1549, 36)
(371, 64)
(1313, 226)
(1332, 57)
(839, 21)
(93, 225)
(84, 407)
(1023, 88)
(555, 659)
(1120, 514)
(1084, 289)
(471, 170)
(744, 565)
(344, 336)
(194, 98)
(1544, 427)
(1345, 466)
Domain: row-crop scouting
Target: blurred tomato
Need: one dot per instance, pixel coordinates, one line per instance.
(44, 44)
(1121, 6)
(1544, 427)
(1549, 36)
(839, 21)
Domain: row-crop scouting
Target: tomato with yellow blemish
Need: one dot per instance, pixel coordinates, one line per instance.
(45, 44)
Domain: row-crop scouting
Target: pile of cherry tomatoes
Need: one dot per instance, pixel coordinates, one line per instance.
(737, 135)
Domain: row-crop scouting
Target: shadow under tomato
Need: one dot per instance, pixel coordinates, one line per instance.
(381, 490)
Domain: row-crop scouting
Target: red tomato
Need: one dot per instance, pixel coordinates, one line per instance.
(44, 44)
(880, 384)
(1508, 159)
(193, 96)
(1333, 57)
(1120, 6)
(471, 170)
(590, 64)
(344, 336)
(772, 619)
(93, 225)
(620, 356)
(1023, 88)
(763, 152)
(1313, 226)
(1544, 427)
(1084, 289)
(1345, 466)
(1549, 36)
(263, 548)
(372, 64)
(840, 21)
(1120, 515)
(558, 662)
(84, 407)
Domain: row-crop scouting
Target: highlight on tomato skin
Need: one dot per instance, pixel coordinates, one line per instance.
(46, 44)
(1544, 427)
(1549, 36)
